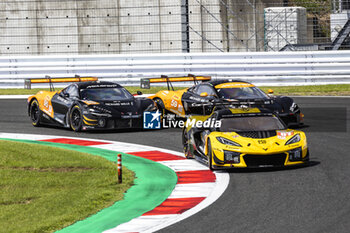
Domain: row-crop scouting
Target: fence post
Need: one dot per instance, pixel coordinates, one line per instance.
(120, 173)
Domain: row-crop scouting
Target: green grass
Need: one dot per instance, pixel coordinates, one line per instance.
(19, 91)
(43, 189)
(331, 90)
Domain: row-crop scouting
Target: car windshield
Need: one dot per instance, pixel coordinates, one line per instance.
(251, 123)
(105, 94)
(241, 93)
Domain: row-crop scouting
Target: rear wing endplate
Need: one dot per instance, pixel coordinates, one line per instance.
(146, 82)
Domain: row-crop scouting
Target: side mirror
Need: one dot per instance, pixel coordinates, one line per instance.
(139, 93)
(204, 94)
(66, 95)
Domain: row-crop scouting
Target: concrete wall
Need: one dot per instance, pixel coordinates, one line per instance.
(124, 26)
(231, 25)
(90, 26)
(285, 25)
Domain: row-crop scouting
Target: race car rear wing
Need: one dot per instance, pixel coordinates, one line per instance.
(28, 82)
(146, 82)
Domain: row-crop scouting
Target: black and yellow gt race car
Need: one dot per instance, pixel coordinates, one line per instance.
(89, 105)
(189, 100)
(243, 138)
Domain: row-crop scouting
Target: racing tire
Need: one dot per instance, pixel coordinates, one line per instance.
(210, 156)
(160, 105)
(186, 148)
(35, 113)
(161, 108)
(75, 118)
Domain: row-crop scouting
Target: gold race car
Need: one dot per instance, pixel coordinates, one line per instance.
(243, 138)
(88, 105)
(190, 100)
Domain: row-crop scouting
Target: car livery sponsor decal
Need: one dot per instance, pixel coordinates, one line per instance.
(47, 106)
(198, 99)
(62, 99)
(234, 85)
(165, 93)
(119, 104)
(284, 134)
(103, 86)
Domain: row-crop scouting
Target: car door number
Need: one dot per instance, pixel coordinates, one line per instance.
(46, 103)
(174, 103)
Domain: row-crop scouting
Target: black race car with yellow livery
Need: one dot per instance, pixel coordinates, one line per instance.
(89, 105)
(190, 100)
(243, 138)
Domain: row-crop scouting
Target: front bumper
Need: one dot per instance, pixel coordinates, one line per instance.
(109, 123)
(261, 160)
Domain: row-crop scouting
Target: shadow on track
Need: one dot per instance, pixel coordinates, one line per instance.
(271, 169)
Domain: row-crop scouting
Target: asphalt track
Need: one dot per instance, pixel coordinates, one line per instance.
(308, 199)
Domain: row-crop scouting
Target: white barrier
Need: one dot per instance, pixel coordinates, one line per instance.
(273, 68)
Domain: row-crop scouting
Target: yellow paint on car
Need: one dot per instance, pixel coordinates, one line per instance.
(44, 99)
(233, 85)
(88, 118)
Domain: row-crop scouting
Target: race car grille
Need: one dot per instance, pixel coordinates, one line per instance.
(264, 160)
(258, 134)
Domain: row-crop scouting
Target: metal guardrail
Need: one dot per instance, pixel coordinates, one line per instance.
(261, 68)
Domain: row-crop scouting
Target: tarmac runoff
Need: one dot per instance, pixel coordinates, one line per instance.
(168, 188)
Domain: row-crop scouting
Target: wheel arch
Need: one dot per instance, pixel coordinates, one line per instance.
(68, 121)
(162, 108)
(30, 101)
(285, 102)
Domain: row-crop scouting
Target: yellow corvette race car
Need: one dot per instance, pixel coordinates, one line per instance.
(243, 138)
(190, 100)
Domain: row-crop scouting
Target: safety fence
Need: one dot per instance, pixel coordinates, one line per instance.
(261, 68)
(37, 27)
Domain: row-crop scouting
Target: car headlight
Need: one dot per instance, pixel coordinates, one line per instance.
(294, 139)
(93, 110)
(227, 142)
(100, 112)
